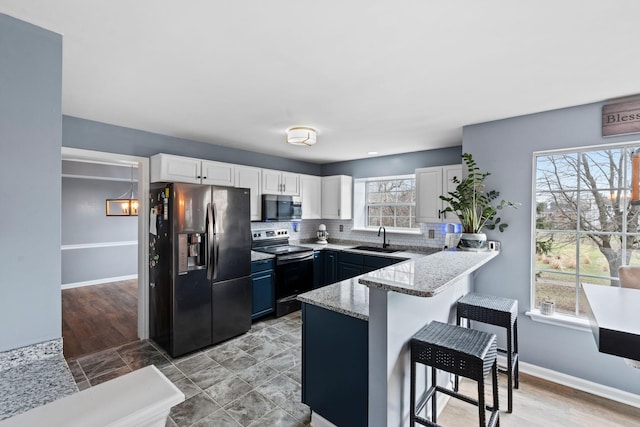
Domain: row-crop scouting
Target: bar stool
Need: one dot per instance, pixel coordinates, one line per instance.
(461, 351)
(495, 311)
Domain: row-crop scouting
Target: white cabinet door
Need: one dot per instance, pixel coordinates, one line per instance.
(431, 183)
(448, 172)
(248, 177)
(337, 197)
(290, 183)
(169, 168)
(217, 173)
(311, 196)
(271, 181)
(278, 182)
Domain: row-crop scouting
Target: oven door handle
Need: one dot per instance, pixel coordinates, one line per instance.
(287, 259)
(288, 299)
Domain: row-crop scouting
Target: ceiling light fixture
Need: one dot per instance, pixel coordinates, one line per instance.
(372, 153)
(301, 135)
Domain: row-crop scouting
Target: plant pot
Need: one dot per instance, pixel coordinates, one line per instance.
(547, 308)
(473, 242)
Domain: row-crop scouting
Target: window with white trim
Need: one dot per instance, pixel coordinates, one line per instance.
(388, 201)
(585, 226)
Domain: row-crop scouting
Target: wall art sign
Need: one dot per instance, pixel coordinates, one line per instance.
(621, 119)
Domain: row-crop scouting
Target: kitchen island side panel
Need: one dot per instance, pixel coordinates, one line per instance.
(335, 365)
(394, 318)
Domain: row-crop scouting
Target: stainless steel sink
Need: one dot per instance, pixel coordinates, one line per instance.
(375, 249)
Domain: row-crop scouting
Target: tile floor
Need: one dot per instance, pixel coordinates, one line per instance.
(251, 380)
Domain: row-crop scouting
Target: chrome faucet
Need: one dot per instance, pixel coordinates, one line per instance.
(384, 237)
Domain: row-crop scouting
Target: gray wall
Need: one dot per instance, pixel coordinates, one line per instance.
(84, 222)
(90, 135)
(399, 164)
(561, 349)
(30, 144)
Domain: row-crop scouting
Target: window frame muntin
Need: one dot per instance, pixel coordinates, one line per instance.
(578, 232)
(366, 204)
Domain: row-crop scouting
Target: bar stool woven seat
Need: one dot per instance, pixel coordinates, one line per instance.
(461, 351)
(501, 312)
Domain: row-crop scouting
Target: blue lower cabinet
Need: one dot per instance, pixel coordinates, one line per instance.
(263, 281)
(335, 366)
(318, 269)
(330, 263)
(347, 270)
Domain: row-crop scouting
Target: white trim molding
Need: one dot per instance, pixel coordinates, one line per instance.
(98, 245)
(98, 281)
(607, 392)
(557, 319)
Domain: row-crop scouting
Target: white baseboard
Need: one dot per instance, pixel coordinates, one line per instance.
(98, 281)
(607, 392)
(318, 421)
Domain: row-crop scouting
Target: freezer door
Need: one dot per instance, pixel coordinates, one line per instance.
(191, 313)
(231, 227)
(231, 308)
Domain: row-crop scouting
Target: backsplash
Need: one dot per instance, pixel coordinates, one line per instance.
(306, 230)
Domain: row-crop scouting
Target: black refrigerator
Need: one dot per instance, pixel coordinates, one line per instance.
(199, 265)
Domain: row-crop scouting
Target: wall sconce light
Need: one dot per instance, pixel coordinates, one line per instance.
(121, 206)
(301, 135)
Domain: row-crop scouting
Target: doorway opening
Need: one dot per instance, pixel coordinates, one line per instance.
(104, 276)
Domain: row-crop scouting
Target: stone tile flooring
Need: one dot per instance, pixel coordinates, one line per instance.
(251, 380)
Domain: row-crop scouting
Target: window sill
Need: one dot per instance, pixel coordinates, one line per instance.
(390, 231)
(560, 320)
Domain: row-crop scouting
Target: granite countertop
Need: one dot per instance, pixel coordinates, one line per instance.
(400, 254)
(429, 275)
(33, 376)
(346, 297)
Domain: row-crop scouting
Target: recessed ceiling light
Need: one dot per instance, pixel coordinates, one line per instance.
(371, 153)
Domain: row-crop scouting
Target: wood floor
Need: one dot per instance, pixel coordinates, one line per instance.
(99, 317)
(542, 403)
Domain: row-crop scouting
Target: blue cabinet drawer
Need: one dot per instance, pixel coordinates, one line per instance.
(261, 265)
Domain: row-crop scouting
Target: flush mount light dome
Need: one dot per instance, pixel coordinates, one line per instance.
(301, 135)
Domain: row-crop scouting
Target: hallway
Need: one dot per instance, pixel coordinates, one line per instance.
(99, 317)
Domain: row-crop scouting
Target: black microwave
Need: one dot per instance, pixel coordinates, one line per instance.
(280, 208)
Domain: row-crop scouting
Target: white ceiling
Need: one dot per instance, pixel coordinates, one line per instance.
(390, 76)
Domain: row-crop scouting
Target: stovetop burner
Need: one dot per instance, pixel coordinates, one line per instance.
(283, 249)
(275, 242)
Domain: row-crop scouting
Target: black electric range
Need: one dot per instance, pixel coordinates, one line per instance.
(294, 267)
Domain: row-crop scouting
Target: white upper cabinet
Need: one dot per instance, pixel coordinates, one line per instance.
(431, 183)
(170, 168)
(278, 182)
(251, 178)
(337, 197)
(311, 196)
(217, 173)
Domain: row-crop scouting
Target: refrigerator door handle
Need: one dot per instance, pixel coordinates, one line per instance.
(210, 251)
(216, 250)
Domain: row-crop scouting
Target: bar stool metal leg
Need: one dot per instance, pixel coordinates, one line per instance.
(412, 421)
(434, 399)
(481, 404)
(515, 349)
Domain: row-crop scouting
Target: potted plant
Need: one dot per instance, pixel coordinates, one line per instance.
(474, 206)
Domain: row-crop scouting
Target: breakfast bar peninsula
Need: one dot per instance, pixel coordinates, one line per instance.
(355, 336)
